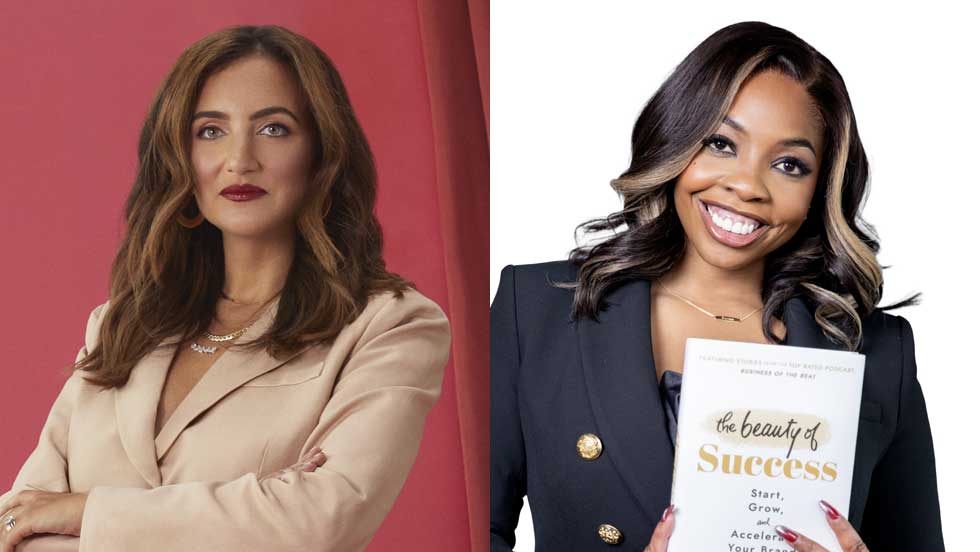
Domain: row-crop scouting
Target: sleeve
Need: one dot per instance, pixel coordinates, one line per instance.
(508, 478)
(370, 431)
(46, 468)
(902, 512)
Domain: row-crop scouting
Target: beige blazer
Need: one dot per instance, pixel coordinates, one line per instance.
(197, 485)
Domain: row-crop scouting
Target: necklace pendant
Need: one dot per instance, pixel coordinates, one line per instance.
(203, 349)
(727, 318)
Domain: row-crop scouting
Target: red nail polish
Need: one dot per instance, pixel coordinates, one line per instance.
(787, 533)
(831, 512)
(669, 510)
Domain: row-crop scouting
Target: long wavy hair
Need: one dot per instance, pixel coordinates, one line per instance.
(832, 259)
(166, 279)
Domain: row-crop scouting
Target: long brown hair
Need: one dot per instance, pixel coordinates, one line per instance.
(831, 261)
(166, 279)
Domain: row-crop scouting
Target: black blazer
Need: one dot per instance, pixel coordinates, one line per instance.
(553, 380)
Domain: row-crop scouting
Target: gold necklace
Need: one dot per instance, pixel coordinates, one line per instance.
(705, 311)
(211, 349)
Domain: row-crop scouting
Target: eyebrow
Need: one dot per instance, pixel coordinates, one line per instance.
(791, 142)
(265, 112)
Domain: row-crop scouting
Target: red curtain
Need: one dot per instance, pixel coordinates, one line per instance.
(78, 78)
(456, 42)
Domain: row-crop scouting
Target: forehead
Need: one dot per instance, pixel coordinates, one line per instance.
(771, 105)
(248, 84)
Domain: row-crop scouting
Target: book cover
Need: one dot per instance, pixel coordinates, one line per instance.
(763, 433)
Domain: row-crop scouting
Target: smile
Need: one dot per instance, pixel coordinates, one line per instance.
(729, 228)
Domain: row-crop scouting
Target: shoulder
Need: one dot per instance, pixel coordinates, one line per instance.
(412, 314)
(889, 348)
(530, 299)
(885, 333)
(540, 276)
(411, 304)
(538, 285)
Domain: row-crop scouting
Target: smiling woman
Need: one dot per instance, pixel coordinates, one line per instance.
(257, 379)
(743, 196)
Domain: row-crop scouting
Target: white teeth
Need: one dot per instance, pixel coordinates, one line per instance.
(733, 227)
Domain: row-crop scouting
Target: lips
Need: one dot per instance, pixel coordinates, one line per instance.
(242, 189)
(242, 192)
(734, 214)
(726, 237)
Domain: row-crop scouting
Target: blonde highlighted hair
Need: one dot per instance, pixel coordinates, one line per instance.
(832, 259)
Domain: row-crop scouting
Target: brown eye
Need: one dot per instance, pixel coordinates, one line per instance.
(718, 143)
(793, 167)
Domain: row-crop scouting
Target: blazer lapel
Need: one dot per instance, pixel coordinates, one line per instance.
(136, 407)
(232, 369)
(802, 329)
(137, 401)
(617, 359)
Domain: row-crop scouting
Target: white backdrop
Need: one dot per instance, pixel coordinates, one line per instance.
(569, 78)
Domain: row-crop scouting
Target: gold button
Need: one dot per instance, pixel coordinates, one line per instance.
(609, 534)
(589, 446)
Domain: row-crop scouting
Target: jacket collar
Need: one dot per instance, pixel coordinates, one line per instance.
(136, 402)
(621, 381)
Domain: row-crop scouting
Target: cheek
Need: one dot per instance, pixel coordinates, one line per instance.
(699, 175)
(793, 203)
(290, 164)
(206, 162)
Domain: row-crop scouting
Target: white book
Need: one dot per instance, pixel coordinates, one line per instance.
(763, 433)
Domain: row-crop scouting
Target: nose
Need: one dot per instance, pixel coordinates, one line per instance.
(240, 157)
(747, 184)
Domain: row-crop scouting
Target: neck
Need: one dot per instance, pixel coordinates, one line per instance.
(256, 269)
(707, 284)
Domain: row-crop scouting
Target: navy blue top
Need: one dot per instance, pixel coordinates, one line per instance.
(554, 378)
(670, 394)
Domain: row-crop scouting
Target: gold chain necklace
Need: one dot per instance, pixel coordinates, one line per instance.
(211, 349)
(705, 311)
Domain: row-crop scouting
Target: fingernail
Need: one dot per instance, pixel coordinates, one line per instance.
(668, 511)
(831, 512)
(786, 533)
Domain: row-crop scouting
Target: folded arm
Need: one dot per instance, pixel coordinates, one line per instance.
(46, 469)
(370, 432)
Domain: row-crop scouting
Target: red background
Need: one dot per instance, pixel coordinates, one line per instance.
(77, 81)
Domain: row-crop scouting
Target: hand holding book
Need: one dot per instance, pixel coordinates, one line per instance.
(847, 537)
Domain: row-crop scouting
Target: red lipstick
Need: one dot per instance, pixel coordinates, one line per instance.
(242, 192)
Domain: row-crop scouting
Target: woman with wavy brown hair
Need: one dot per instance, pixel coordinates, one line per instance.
(256, 380)
(740, 221)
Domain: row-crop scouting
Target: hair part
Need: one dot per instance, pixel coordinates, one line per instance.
(166, 279)
(832, 259)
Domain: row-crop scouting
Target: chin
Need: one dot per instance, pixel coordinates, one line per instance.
(732, 264)
(725, 258)
(249, 229)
